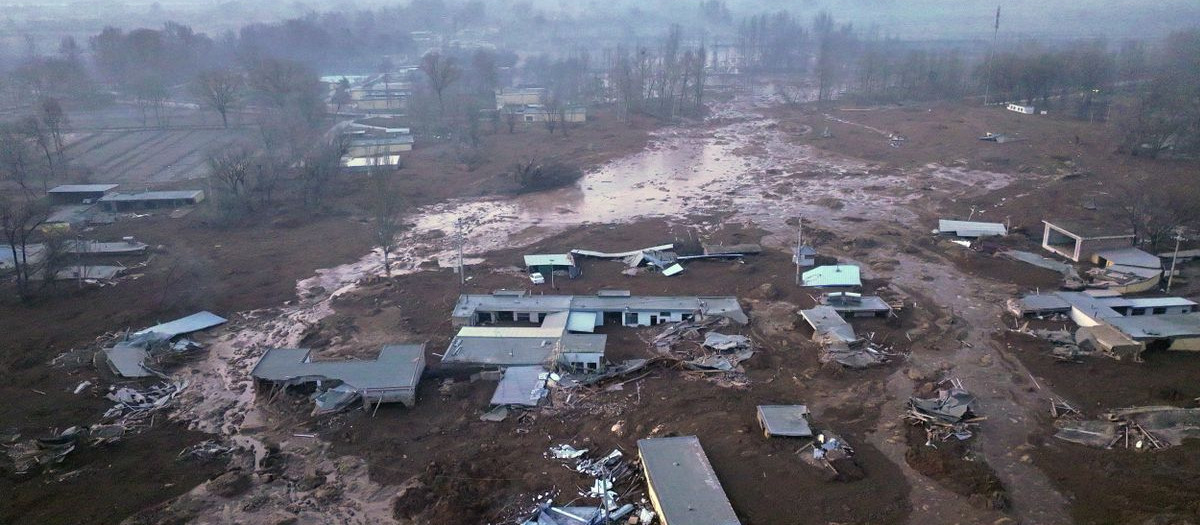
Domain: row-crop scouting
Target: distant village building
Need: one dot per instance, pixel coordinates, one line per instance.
(120, 202)
(538, 113)
(1025, 110)
(520, 97)
(376, 141)
(387, 93)
(78, 193)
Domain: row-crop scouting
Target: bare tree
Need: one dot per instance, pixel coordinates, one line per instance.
(32, 128)
(511, 117)
(219, 90)
(341, 94)
(20, 218)
(16, 158)
(230, 169)
(319, 168)
(442, 73)
(51, 112)
(386, 206)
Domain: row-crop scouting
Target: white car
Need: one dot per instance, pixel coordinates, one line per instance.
(537, 278)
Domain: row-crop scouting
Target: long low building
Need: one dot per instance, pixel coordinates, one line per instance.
(616, 306)
(118, 202)
(1123, 326)
(681, 483)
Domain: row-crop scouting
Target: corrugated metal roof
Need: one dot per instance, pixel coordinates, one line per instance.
(826, 323)
(971, 229)
(520, 385)
(686, 490)
(836, 275)
(185, 325)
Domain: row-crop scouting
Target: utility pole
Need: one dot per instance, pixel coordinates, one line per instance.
(462, 275)
(1174, 257)
(987, 87)
(799, 245)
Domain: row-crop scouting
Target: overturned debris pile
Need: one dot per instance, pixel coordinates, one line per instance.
(1140, 428)
(839, 343)
(715, 354)
(945, 416)
(135, 355)
(615, 482)
(834, 454)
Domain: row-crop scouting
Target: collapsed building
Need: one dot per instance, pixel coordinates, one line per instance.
(1117, 325)
(392, 377)
(128, 357)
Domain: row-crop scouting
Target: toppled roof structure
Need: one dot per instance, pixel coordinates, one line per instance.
(127, 358)
(970, 229)
(838, 341)
(856, 305)
(521, 386)
(391, 377)
(835, 276)
(784, 420)
(1080, 240)
(682, 484)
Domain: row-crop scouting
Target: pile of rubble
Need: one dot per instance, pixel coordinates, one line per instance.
(949, 415)
(616, 481)
(134, 411)
(1140, 428)
(717, 355)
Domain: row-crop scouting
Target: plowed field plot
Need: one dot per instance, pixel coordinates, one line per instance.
(148, 157)
(114, 144)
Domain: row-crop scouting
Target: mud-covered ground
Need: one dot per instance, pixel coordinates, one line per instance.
(743, 176)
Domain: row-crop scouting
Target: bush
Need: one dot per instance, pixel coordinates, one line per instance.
(532, 176)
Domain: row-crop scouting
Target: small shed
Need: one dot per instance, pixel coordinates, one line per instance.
(784, 420)
(805, 256)
(78, 193)
(545, 264)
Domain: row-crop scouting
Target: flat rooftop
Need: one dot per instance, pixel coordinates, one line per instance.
(82, 188)
(153, 196)
(1143, 327)
(835, 275)
(726, 306)
(785, 420)
(971, 229)
(519, 351)
(684, 486)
